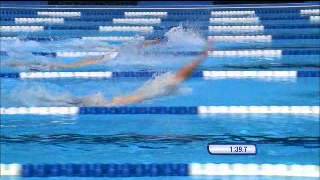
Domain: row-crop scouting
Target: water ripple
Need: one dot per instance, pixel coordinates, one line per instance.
(125, 140)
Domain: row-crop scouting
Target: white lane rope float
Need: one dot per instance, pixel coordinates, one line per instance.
(9, 38)
(231, 38)
(21, 28)
(238, 169)
(144, 29)
(39, 20)
(254, 28)
(58, 14)
(238, 20)
(136, 21)
(114, 38)
(232, 13)
(246, 53)
(314, 19)
(145, 13)
(309, 12)
(93, 38)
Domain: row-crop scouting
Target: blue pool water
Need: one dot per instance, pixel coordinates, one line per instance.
(162, 138)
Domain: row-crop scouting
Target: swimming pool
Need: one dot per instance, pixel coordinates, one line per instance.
(259, 85)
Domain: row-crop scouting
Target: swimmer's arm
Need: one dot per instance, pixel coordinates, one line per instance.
(180, 76)
(81, 63)
(186, 72)
(125, 100)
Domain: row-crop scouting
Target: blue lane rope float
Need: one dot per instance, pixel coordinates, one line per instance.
(173, 110)
(149, 74)
(156, 170)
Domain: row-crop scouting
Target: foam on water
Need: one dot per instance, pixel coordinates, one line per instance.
(159, 86)
(28, 62)
(179, 39)
(85, 45)
(39, 94)
(184, 37)
(20, 49)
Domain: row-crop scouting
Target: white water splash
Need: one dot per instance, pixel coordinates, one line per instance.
(36, 94)
(161, 85)
(183, 37)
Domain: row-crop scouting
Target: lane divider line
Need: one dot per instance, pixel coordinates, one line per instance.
(59, 14)
(236, 28)
(270, 7)
(114, 38)
(310, 11)
(242, 20)
(154, 170)
(21, 28)
(195, 110)
(250, 53)
(140, 14)
(145, 29)
(283, 170)
(136, 20)
(232, 13)
(149, 74)
(246, 53)
(9, 38)
(39, 20)
(258, 38)
(94, 38)
(218, 38)
(314, 19)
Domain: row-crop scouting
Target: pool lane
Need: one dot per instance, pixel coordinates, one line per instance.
(194, 92)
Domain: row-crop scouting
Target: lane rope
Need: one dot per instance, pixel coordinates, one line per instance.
(149, 74)
(176, 110)
(155, 169)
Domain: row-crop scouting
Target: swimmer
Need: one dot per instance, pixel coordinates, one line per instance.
(37, 66)
(149, 91)
(112, 54)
